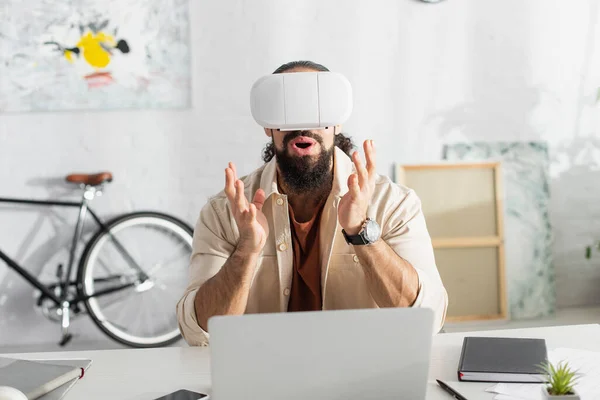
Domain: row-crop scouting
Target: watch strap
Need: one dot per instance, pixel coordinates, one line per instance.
(354, 239)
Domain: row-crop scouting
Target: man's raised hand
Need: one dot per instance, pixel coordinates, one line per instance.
(251, 222)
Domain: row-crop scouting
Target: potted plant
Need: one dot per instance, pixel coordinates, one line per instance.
(560, 382)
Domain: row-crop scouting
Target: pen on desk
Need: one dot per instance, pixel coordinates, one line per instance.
(448, 389)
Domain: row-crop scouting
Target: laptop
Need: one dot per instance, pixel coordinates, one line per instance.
(343, 354)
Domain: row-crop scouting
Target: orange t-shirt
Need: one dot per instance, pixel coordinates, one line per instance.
(305, 294)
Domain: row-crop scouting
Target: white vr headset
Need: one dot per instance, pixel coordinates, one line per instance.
(301, 100)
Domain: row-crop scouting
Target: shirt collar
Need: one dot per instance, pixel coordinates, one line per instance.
(342, 168)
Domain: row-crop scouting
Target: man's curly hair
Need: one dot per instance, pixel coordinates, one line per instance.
(341, 141)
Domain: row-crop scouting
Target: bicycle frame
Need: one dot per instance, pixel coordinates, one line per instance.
(63, 301)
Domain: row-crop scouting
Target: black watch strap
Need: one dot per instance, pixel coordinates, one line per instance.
(354, 239)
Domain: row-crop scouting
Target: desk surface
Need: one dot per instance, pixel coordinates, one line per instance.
(145, 374)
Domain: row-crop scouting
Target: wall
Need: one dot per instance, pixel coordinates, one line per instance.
(422, 74)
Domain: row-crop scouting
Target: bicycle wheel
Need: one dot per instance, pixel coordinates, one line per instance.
(141, 313)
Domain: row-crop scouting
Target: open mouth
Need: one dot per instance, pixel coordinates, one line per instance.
(302, 142)
(302, 146)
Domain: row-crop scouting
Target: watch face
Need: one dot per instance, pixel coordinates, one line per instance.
(372, 231)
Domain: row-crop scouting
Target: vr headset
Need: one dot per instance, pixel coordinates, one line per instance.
(301, 100)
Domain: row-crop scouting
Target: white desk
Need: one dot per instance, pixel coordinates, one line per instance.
(150, 373)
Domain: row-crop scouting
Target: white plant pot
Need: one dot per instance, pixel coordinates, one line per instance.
(548, 396)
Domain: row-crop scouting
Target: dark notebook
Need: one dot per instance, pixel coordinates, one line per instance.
(492, 359)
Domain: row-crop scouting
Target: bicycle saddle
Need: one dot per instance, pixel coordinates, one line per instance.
(92, 180)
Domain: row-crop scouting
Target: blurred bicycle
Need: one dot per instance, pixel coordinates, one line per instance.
(129, 276)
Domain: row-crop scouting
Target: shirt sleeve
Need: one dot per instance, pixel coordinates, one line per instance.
(405, 231)
(212, 246)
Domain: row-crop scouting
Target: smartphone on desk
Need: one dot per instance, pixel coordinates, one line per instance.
(183, 395)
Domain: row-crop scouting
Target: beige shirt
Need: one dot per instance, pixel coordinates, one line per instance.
(397, 209)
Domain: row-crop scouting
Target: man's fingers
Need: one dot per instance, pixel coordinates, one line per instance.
(240, 197)
(369, 147)
(229, 185)
(252, 213)
(259, 199)
(353, 186)
(232, 166)
(361, 171)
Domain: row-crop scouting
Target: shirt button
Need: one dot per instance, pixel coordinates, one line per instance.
(282, 247)
(286, 292)
(279, 201)
(355, 258)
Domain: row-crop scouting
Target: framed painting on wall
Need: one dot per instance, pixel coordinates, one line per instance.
(94, 54)
(529, 263)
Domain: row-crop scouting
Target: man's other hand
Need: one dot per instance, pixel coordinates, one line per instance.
(352, 210)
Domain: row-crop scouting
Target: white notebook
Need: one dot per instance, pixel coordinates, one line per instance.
(42, 379)
(60, 392)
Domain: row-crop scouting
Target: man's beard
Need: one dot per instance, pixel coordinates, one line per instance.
(304, 174)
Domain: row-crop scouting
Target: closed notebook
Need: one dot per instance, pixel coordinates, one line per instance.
(36, 379)
(492, 359)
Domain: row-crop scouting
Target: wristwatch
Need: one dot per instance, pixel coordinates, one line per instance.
(369, 233)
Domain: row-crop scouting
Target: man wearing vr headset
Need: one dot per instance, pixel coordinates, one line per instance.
(314, 228)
